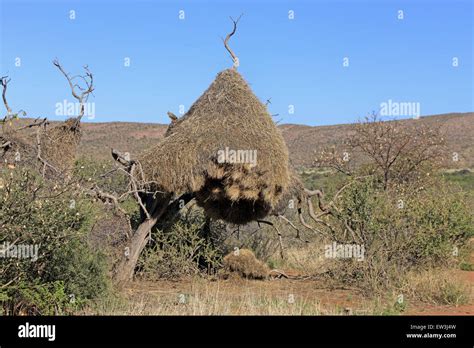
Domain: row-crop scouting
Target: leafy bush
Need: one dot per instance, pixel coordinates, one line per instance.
(180, 250)
(394, 205)
(102, 173)
(401, 228)
(53, 220)
(30, 298)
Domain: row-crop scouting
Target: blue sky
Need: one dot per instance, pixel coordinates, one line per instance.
(296, 62)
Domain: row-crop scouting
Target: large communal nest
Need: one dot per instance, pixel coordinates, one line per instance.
(227, 119)
(16, 149)
(59, 145)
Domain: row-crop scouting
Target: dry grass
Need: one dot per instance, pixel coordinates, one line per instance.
(306, 260)
(436, 291)
(230, 297)
(227, 116)
(244, 263)
(59, 144)
(442, 287)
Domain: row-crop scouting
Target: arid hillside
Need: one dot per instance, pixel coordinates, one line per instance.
(304, 142)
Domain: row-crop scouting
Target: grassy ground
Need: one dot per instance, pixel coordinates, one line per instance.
(433, 292)
(465, 178)
(427, 292)
(200, 296)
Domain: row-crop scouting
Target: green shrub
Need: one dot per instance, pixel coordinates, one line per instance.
(181, 250)
(29, 298)
(54, 221)
(401, 229)
(102, 173)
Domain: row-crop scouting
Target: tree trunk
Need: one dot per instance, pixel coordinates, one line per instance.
(126, 267)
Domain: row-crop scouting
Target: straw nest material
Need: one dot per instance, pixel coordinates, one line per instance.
(16, 147)
(59, 144)
(58, 147)
(295, 193)
(228, 116)
(244, 263)
(15, 150)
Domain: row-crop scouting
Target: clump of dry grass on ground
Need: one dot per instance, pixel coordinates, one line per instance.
(433, 286)
(244, 263)
(437, 286)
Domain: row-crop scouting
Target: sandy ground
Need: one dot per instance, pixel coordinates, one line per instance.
(282, 296)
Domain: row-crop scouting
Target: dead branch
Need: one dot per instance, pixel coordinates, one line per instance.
(6, 144)
(36, 123)
(303, 222)
(284, 218)
(280, 239)
(320, 196)
(134, 186)
(4, 82)
(172, 116)
(39, 151)
(122, 158)
(234, 57)
(106, 197)
(84, 93)
(316, 218)
(298, 233)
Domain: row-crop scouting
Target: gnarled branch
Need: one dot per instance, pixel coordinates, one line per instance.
(4, 82)
(84, 93)
(226, 41)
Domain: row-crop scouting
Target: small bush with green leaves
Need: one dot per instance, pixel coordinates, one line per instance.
(185, 248)
(57, 271)
(102, 173)
(401, 228)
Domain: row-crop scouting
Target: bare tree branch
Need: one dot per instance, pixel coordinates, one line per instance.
(234, 57)
(106, 197)
(84, 93)
(280, 239)
(4, 82)
(39, 150)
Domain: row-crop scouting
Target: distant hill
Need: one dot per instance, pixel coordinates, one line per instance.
(304, 142)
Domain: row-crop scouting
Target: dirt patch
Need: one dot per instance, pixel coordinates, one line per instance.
(238, 296)
(285, 295)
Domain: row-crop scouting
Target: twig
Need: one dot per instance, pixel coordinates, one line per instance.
(234, 57)
(4, 83)
(103, 196)
(280, 239)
